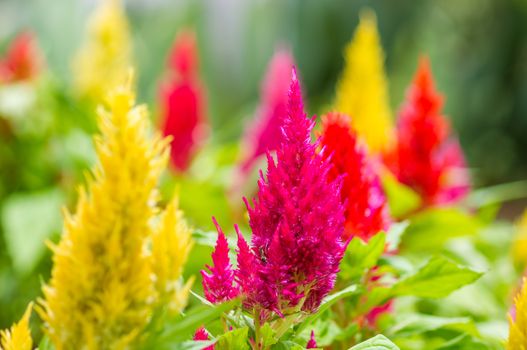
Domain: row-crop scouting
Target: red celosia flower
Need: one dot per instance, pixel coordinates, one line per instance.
(312, 343)
(182, 102)
(218, 285)
(201, 334)
(425, 158)
(366, 207)
(264, 134)
(297, 221)
(22, 60)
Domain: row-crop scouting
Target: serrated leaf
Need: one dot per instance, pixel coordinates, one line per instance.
(379, 342)
(436, 279)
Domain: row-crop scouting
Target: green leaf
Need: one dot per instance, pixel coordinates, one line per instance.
(436, 279)
(360, 256)
(28, 220)
(401, 198)
(268, 335)
(393, 237)
(497, 194)
(379, 342)
(45, 344)
(411, 325)
(287, 345)
(182, 328)
(327, 303)
(430, 229)
(235, 339)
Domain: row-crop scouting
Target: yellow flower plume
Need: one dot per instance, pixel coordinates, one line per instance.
(101, 293)
(519, 246)
(103, 60)
(362, 91)
(18, 337)
(518, 326)
(171, 245)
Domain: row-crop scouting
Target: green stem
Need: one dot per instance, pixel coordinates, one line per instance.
(257, 335)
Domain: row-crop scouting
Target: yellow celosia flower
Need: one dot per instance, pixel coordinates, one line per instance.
(518, 325)
(171, 245)
(519, 246)
(103, 60)
(101, 291)
(362, 91)
(19, 336)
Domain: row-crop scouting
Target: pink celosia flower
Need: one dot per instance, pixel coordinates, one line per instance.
(218, 285)
(297, 221)
(22, 60)
(264, 134)
(201, 334)
(312, 343)
(425, 157)
(366, 206)
(182, 102)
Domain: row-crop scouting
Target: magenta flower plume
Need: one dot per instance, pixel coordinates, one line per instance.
(297, 221)
(264, 133)
(183, 103)
(218, 285)
(201, 334)
(312, 343)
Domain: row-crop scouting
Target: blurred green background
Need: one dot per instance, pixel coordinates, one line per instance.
(478, 50)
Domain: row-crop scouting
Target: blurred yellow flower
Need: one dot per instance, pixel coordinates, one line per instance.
(103, 60)
(171, 245)
(101, 291)
(362, 91)
(518, 322)
(19, 336)
(519, 246)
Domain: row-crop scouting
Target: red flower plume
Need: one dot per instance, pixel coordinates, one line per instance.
(22, 60)
(426, 157)
(183, 102)
(366, 207)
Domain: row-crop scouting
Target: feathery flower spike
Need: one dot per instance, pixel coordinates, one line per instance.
(103, 60)
(518, 324)
(22, 61)
(201, 334)
(297, 222)
(171, 245)
(182, 102)
(519, 246)
(18, 337)
(312, 343)
(362, 91)
(425, 157)
(264, 133)
(101, 290)
(366, 206)
(219, 285)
